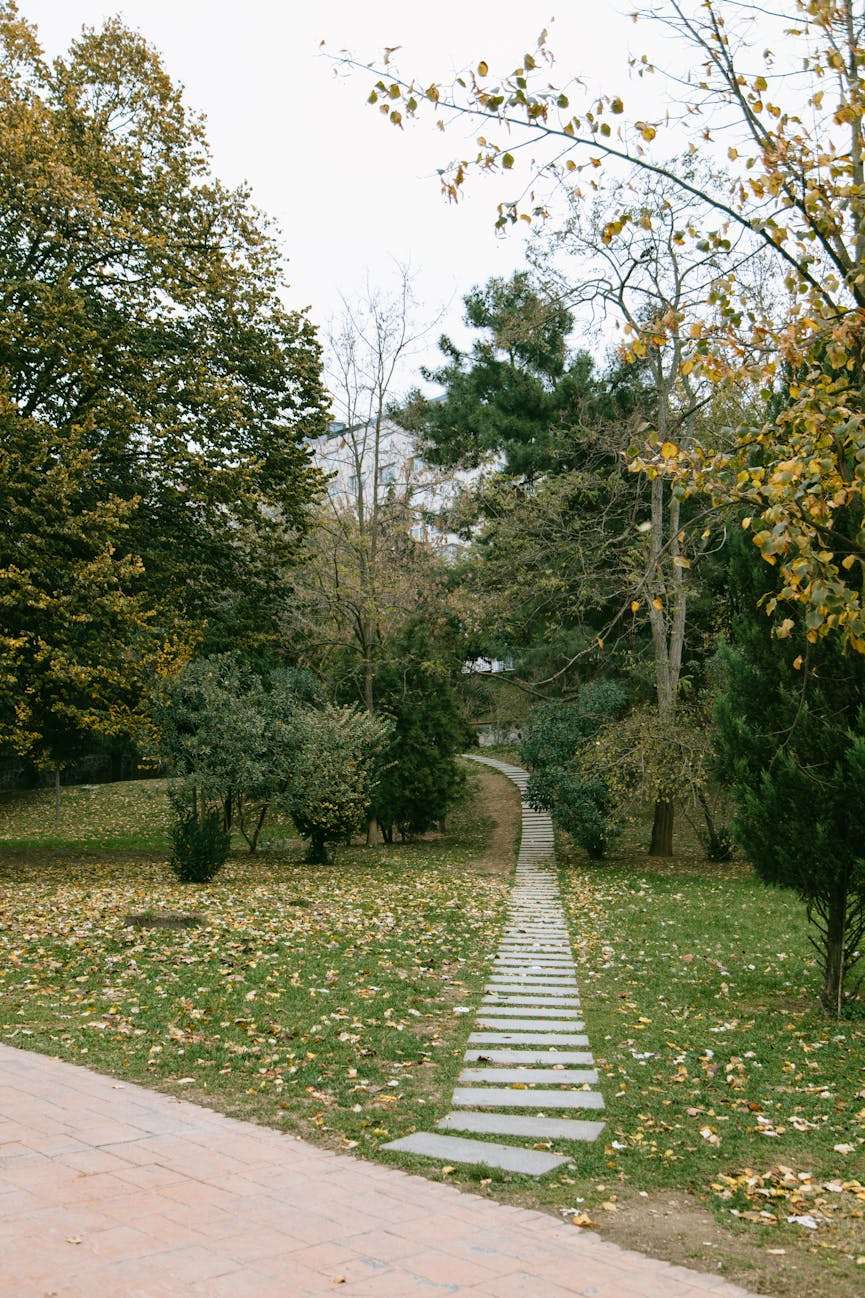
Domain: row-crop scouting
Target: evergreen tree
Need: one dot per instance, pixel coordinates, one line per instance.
(791, 742)
(519, 395)
(420, 778)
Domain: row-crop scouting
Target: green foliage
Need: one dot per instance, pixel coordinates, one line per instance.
(518, 394)
(420, 777)
(337, 756)
(199, 846)
(155, 394)
(581, 804)
(791, 742)
(227, 728)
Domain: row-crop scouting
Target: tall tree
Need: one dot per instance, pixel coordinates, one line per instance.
(792, 113)
(791, 739)
(142, 333)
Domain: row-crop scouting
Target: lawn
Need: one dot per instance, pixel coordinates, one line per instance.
(319, 999)
(325, 1000)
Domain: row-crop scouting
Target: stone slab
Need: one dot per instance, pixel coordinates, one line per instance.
(517, 998)
(531, 1076)
(455, 1149)
(504, 1097)
(529, 979)
(517, 988)
(514, 1005)
(513, 1037)
(528, 1056)
(516, 1124)
(495, 1024)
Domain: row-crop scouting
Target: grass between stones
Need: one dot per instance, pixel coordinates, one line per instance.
(322, 1000)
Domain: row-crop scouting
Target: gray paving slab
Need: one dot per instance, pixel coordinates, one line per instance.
(516, 1037)
(456, 1149)
(518, 998)
(496, 1024)
(529, 979)
(531, 1076)
(505, 1097)
(518, 1124)
(493, 1056)
(509, 1008)
(512, 988)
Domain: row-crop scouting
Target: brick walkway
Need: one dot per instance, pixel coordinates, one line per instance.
(108, 1190)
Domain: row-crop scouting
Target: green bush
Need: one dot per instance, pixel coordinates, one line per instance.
(580, 802)
(718, 843)
(199, 846)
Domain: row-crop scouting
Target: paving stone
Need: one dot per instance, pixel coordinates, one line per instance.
(494, 1097)
(529, 979)
(488, 1022)
(514, 1006)
(529, 1056)
(454, 1149)
(515, 998)
(516, 1124)
(531, 1076)
(516, 988)
(513, 1037)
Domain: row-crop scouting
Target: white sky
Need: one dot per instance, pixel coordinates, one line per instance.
(350, 192)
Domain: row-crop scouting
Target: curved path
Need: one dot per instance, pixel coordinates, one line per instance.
(528, 1056)
(108, 1190)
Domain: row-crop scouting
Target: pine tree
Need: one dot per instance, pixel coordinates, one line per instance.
(420, 779)
(791, 741)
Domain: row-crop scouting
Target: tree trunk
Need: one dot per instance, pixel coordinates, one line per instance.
(317, 854)
(833, 951)
(662, 829)
(253, 843)
(227, 812)
(56, 797)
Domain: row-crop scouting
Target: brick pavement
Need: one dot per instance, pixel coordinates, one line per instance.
(108, 1190)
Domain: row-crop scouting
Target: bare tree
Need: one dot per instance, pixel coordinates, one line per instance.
(370, 564)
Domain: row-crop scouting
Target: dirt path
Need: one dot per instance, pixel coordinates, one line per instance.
(500, 803)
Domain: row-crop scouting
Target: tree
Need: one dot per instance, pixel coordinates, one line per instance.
(78, 647)
(420, 779)
(228, 730)
(149, 375)
(792, 110)
(507, 398)
(367, 572)
(791, 742)
(334, 775)
(649, 274)
(553, 745)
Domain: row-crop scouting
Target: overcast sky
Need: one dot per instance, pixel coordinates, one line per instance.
(351, 193)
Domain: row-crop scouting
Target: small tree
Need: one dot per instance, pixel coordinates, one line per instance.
(338, 753)
(792, 744)
(580, 803)
(226, 729)
(420, 778)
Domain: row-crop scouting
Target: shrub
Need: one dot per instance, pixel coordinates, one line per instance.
(581, 803)
(337, 760)
(199, 846)
(717, 843)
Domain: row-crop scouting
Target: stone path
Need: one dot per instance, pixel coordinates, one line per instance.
(108, 1190)
(531, 1004)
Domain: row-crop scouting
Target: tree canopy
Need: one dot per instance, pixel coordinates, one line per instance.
(148, 370)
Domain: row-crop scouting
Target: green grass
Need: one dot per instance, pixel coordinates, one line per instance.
(316, 998)
(322, 999)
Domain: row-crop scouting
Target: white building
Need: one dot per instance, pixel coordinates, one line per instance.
(368, 461)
